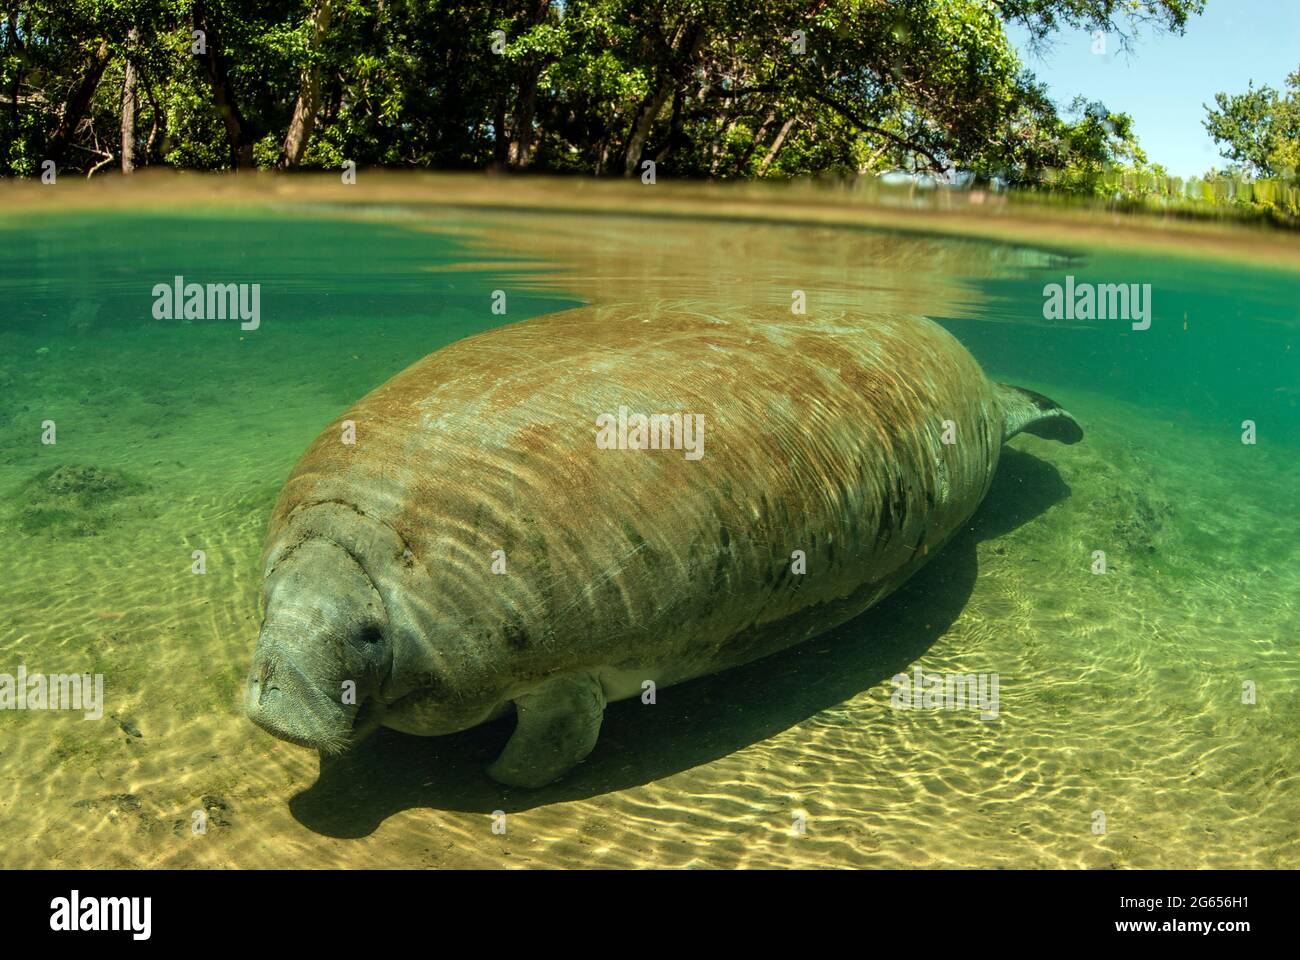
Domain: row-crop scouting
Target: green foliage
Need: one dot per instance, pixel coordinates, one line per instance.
(704, 88)
(1259, 130)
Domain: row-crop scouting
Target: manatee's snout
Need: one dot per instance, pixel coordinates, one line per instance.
(286, 703)
(322, 651)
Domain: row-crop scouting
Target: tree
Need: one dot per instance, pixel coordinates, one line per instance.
(1259, 130)
(308, 103)
(128, 104)
(706, 88)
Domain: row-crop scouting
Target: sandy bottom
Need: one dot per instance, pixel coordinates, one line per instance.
(1121, 695)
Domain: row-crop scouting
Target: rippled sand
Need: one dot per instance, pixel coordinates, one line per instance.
(1119, 693)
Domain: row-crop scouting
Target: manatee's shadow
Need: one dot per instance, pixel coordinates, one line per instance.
(693, 723)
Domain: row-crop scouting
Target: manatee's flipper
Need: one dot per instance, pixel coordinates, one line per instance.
(1034, 413)
(558, 723)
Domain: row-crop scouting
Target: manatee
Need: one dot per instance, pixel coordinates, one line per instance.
(460, 544)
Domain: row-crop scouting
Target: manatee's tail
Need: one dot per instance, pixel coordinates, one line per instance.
(1034, 413)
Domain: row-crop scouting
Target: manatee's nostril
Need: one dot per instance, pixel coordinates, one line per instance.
(260, 692)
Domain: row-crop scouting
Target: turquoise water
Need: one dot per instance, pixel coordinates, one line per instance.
(1222, 346)
(1123, 691)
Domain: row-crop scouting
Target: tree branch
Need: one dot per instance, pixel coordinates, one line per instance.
(861, 124)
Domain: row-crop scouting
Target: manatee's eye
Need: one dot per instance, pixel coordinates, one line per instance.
(371, 634)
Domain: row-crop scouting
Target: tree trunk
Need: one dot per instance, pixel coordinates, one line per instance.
(645, 119)
(758, 137)
(522, 140)
(304, 111)
(155, 113)
(726, 123)
(777, 144)
(674, 128)
(74, 108)
(690, 40)
(521, 143)
(128, 106)
(214, 68)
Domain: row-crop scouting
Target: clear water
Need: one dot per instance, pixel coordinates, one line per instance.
(1121, 694)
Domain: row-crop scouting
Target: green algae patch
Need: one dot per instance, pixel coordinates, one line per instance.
(73, 500)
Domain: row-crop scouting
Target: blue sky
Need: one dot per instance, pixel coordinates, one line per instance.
(1166, 78)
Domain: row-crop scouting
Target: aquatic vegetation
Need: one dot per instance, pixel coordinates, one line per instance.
(1136, 521)
(128, 810)
(72, 499)
(1139, 529)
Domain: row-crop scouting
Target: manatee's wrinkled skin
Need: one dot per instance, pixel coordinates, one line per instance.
(620, 566)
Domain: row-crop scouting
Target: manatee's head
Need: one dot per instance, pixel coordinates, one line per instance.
(323, 652)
